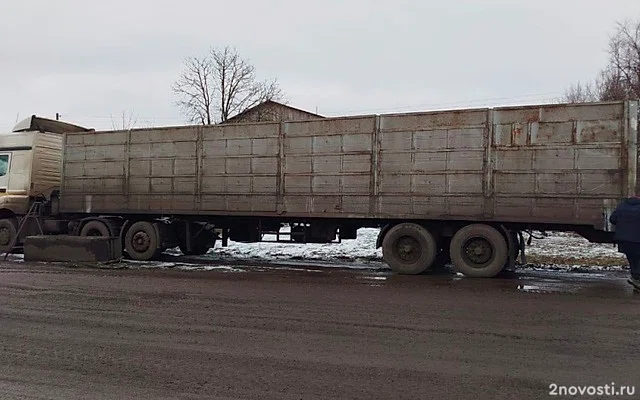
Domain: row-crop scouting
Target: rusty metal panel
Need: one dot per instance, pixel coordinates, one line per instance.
(551, 133)
(567, 157)
(546, 163)
(609, 131)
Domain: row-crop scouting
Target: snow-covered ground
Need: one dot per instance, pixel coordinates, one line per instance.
(361, 249)
(557, 250)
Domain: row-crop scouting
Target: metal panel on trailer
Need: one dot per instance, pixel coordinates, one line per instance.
(565, 157)
(327, 166)
(549, 163)
(431, 164)
(239, 171)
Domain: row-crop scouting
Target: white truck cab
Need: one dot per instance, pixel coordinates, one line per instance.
(30, 167)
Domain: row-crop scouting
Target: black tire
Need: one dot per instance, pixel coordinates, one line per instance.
(479, 251)
(8, 233)
(95, 228)
(141, 241)
(409, 249)
(199, 245)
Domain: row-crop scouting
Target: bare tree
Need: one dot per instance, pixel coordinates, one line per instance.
(620, 79)
(624, 60)
(216, 87)
(125, 121)
(580, 93)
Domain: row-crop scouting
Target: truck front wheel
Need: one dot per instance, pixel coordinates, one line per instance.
(141, 241)
(409, 249)
(479, 251)
(8, 232)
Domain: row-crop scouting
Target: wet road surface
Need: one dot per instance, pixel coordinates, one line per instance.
(310, 333)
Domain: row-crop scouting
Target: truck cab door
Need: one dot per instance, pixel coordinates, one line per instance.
(5, 162)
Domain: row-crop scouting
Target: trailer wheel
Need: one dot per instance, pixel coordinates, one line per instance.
(8, 232)
(479, 251)
(409, 249)
(95, 228)
(141, 241)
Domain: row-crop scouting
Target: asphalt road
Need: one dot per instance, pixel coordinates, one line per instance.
(274, 333)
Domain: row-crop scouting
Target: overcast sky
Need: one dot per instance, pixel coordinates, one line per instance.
(92, 61)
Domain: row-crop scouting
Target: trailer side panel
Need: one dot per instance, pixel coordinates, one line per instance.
(565, 164)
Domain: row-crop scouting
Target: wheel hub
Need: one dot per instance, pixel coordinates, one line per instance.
(140, 241)
(408, 249)
(478, 250)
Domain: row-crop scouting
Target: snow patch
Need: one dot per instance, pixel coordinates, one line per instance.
(564, 251)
